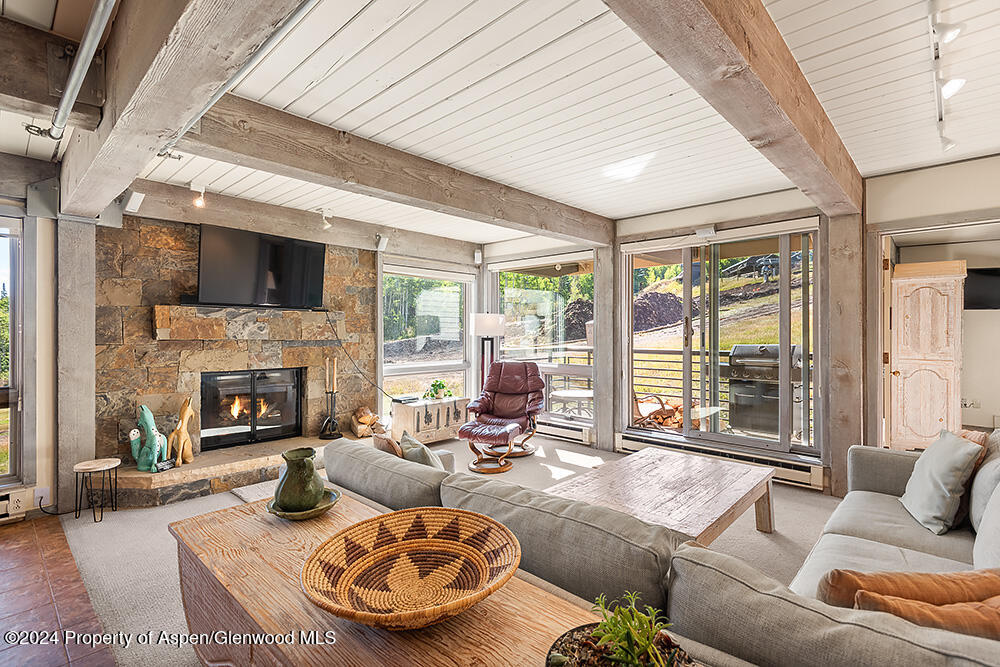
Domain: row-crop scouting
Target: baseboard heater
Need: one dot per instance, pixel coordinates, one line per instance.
(566, 431)
(798, 474)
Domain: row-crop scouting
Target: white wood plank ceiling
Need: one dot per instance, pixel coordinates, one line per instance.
(870, 63)
(15, 139)
(557, 97)
(237, 181)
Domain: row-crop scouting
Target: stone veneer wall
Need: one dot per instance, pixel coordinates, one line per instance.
(150, 263)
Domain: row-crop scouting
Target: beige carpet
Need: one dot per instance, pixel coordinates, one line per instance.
(129, 561)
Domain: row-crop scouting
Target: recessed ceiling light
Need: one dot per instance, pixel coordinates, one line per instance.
(950, 87)
(947, 32)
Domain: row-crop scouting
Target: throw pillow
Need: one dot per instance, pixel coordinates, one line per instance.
(978, 437)
(939, 476)
(981, 619)
(839, 587)
(386, 444)
(986, 550)
(418, 452)
(985, 480)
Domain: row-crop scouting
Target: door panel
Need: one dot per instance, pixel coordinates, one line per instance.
(926, 331)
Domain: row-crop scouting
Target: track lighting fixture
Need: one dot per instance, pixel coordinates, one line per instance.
(950, 87)
(947, 32)
(198, 201)
(326, 218)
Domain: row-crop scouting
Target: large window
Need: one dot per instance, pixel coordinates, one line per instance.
(722, 341)
(549, 312)
(9, 338)
(424, 333)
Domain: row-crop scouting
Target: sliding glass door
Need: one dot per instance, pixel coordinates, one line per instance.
(722, 341)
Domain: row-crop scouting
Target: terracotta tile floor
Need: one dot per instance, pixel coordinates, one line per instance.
(41, 589)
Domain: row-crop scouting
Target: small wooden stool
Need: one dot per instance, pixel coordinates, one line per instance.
(86, 469)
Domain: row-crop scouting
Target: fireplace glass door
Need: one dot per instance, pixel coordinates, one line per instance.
(240, 407)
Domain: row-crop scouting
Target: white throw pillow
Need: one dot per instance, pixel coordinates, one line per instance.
(938, 480)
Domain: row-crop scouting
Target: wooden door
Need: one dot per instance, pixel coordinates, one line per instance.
(925, 393)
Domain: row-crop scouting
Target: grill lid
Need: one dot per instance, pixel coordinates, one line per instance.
(765, 356)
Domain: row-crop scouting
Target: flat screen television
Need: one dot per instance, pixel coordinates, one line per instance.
(982, 289)
(242, 268)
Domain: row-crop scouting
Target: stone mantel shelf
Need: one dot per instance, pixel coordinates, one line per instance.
(245, 323)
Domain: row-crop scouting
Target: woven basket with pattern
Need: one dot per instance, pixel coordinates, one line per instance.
(411, 568)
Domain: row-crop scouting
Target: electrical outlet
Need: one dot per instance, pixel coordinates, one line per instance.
(971, 403)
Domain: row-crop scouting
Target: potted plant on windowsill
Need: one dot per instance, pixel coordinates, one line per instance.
(626, 635)
(437, 390)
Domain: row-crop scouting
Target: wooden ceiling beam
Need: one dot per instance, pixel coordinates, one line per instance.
(17, 173)
(164, 61)
(172, 202)
(732, 54)
(243, 132)
(24, 86)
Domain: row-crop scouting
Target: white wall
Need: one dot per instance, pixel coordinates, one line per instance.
(966, 190)
(698, 216)
(980, 330)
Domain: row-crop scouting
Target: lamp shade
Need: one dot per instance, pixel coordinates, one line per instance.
(485, 325)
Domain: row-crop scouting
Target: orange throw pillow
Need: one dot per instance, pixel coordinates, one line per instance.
(839, 587)
(386, 444)
(978, 437)
(981, 619)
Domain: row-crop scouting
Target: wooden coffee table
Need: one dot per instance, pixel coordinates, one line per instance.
(240, 569)
(694, 495)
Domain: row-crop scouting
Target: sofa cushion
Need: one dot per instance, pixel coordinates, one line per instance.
(978, 618)
(586, 549)
(386, 479)
(881, 518)
(986, 553)
(935, 488)
(721, 601)
(418, 452)
(843, 552)
(987, 478)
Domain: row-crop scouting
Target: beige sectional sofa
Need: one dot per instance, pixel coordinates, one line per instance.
(726, 611)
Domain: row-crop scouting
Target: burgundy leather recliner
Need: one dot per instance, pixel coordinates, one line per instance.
(512, 396)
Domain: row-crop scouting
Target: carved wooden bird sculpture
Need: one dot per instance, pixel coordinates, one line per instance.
(180, 439)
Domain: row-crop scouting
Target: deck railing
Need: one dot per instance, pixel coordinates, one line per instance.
(657, 371)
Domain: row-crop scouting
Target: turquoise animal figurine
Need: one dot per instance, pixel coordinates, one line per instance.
(300, 487)
(154, 443)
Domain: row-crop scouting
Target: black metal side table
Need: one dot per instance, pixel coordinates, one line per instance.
(83, 482)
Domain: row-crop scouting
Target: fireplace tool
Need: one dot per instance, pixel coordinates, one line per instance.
(330, 429)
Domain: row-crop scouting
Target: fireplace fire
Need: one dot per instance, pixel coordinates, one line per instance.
(240, 407)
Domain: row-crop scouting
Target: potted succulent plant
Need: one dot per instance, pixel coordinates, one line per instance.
(626, 635)
(438, 389)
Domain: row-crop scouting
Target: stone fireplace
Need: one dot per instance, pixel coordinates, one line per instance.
(154, 351)
(243, 407)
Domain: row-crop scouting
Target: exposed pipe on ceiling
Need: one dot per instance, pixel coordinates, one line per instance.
(286, 26)
(100, 14)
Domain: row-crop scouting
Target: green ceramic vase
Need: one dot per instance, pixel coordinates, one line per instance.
(300, 487)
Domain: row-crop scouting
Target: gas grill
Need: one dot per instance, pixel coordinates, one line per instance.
(754, 388)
